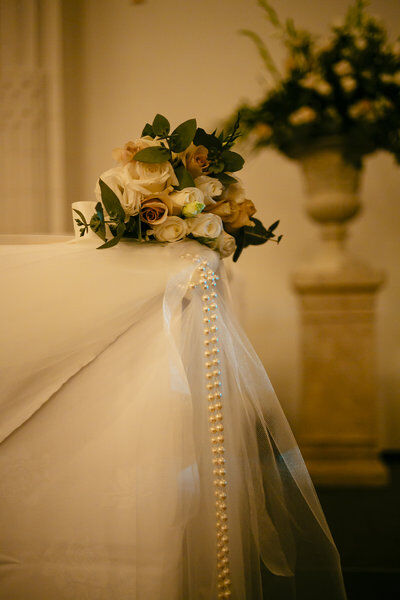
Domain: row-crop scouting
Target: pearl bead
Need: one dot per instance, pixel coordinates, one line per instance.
(214, 317)
(209, 386)
(212, 420)
(205, 298)
(207, 353)
(218, 416)
(213, 306)
(209, 375)
(217, 384)
(213, 328)
(222, 506)
(206, 309)
(215, 350)
(208, 364)
(206, 331)
(226, 571)
(227, 594)
(206, 342)
(213, 294)
(206, 320)
(216, 372)
(222, 495)
(210, 398)
(221, 450)
(218, 395)
(216, 361)
(214, 339)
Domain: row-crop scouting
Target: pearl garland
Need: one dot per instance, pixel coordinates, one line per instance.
(207, 280)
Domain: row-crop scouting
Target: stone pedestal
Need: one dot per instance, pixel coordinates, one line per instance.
(338, 426)
(338, 417)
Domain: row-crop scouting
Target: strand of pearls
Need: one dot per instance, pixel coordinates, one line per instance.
(207, 281)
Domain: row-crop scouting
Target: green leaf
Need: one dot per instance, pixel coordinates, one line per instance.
(273, 226)
(225, 179)
(232, 160)
(81, 215)
(120, 230)
(208, 140)
(184, 177)
(161, 126)
(98, 227)
(148, 130)
(111, 202)
(239, 237)
(155, 154)
(183, 135)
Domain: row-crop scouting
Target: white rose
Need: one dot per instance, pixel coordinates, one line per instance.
(130, 149)
(225, 245)
(235, 192)
(210, 187)
(129, 197)
(205, 225)
(186, 196)
(172, 230)
(149, 178)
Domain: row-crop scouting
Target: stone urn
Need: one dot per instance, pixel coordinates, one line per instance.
(338, 418)
(332, 190)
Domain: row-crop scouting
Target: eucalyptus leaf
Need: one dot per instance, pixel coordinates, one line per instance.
(148, 130)
(161, 126)
(111, 202)
(155, 154)
(98, 227)
(184, 177)
(226, 179)
(82, 217)
(232, 160)
(211, 142)
(273, 226)
(120, 230)
(183, 135)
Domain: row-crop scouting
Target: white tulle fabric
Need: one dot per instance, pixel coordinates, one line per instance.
(106, 484)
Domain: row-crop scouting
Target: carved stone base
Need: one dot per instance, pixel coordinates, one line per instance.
(338, 421)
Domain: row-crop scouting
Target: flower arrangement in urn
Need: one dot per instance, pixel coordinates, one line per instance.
(174, 185)
(346, 89)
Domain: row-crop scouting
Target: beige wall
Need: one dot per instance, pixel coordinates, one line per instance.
(183, 58)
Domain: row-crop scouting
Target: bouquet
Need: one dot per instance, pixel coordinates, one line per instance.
(169, 186)
(347, 86)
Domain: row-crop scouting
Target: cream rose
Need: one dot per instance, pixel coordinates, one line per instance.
(183, 197)
(225, 244)
(205, 225)
(235, 192)
(126, 154)
(129, 197)
(149, 178)
(210, 187)
(172, 229)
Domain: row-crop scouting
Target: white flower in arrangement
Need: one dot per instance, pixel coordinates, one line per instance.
(342, 68)
(362, 109)
(125, 154)
(129, 197)
(205, 225)
(150, 178)
(360, 43)
(235, 192)
(348, 83)
(303, 116)
(314, 81)
(210, 187)
(172, 229)
(184, 197)
(225, 244)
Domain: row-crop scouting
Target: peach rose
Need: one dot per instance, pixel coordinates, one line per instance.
(234, 215)
(196, 160)
(153, 211)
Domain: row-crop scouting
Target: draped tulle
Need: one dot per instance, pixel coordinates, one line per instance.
(105, 464)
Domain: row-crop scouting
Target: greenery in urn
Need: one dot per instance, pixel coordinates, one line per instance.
(345, 89)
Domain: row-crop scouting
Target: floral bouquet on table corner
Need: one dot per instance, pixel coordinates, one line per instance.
(172, 186)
